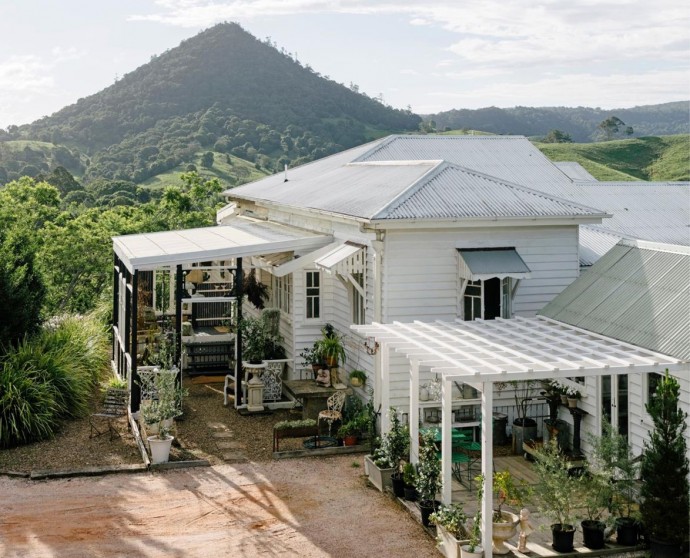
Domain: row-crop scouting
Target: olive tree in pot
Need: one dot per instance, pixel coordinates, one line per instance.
(524, 428)
(161, 412)
(556, 491)
(428, 481)
(504, 522)
(665, 506)
(612, 456)
(597, 496)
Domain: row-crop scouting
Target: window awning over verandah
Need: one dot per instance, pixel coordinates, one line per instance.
(481, 353)
(240, 237)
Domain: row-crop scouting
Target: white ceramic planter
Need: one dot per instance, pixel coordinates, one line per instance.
(380, 478)
(160, 449)
(465, 552)
(450, 546)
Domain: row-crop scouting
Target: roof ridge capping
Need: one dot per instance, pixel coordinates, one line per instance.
(395, 163)
(380, 144)
(656, 246)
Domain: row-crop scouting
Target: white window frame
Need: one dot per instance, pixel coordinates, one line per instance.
(358, 302)
(281, 293)
(506, 297)
(312, 300)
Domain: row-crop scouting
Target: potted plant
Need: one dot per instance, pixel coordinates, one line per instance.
(572, 395)
(349, 432)
(428, 481)
(383, 466)
(524, 428)
(312, 357)
(473, 548)
(410, 481)
(451, 530)
(161, 413)
(504, 522)
(259, 342)
(665, 504)
(556, 490)
(597, 494)
(358, 378)
(332, 350)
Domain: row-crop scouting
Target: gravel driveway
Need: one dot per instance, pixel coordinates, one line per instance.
(298, 507)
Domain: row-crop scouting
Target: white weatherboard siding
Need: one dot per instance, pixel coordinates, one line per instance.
(421, 280)
(420, 273)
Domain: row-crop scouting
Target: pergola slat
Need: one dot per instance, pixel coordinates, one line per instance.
(527, 348)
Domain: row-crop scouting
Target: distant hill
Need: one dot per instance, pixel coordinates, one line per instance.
(580, 122)
(664, 158)
(221, 91)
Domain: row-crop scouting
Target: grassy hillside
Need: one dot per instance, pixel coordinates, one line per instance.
(664, 158)
(233, 173)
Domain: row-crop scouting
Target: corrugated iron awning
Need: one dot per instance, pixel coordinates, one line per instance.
(489, 263)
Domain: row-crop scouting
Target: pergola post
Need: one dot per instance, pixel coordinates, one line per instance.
(239, 292)
(385, 389)
(487, 464)
(414, 411)
(446, 440)
(135, 389)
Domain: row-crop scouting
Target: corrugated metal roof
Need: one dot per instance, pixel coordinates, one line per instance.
(240, 237)
(594, 243)
(575, 171)
(653, 211)
(486, 264)
(639, 292)
(511, 158)
(453, 192)
(358, 191)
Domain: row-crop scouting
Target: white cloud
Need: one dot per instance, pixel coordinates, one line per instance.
(24, 74)
(611, 91)
(409, 72)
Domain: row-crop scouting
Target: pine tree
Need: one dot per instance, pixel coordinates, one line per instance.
(666, 502)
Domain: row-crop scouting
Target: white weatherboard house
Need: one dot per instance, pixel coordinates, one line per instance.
(436, 253)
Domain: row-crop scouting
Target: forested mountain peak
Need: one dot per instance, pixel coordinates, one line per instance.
(220, 90)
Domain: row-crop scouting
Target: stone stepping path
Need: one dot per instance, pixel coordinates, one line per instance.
(231, 450)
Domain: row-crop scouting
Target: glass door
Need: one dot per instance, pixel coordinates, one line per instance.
(614, 402)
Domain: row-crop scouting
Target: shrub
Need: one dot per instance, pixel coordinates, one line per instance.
(27, 407)
(50, 377)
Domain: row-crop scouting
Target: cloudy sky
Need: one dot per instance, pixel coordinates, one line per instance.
(432, 55)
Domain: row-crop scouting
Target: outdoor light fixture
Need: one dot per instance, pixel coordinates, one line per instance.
(371, 345)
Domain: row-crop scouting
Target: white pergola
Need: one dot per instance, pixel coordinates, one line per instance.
(481, 353)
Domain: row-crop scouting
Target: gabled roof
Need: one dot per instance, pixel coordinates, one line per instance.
(375, 182)
(454, 192)
(638, 292)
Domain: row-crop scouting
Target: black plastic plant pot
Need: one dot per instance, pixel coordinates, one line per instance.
(426, 507)
(563, 536)
(593, 533)
(410, 493)
(626, 531)
(398, 485)
(663, 549)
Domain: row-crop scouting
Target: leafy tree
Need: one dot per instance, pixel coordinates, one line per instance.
(207, 159)
(666, 494)
(556, 136)
(611, 126)
(21, 286)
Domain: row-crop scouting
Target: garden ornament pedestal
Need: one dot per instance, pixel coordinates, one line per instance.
(255, 388)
